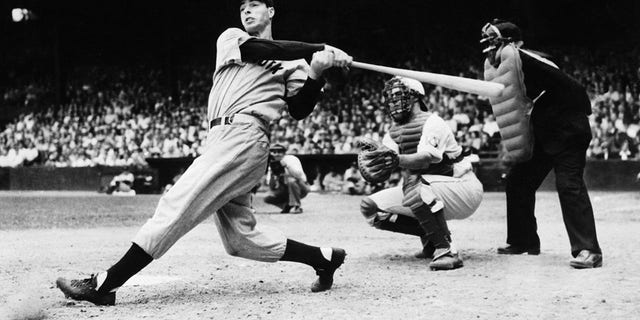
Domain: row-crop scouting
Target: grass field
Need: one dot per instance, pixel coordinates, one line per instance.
(46, 235)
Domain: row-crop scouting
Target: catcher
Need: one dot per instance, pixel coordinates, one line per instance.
(438, 181)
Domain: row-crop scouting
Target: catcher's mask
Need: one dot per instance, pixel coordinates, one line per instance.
(496, 34)
(400, 94)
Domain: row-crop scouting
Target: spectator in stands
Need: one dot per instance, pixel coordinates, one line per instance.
(111, 107)
(332, 181)
(353, 183)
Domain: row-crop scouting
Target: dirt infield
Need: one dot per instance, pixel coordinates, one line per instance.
(47, 235)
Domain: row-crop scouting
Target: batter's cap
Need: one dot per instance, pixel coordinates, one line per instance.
(412, 84)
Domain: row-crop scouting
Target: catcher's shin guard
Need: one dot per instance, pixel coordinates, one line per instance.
(434, 226)
(389, 222)
(401, 224)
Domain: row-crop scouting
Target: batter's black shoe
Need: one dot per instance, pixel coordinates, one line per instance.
(511, 249)
(85, 289)
(325, 276)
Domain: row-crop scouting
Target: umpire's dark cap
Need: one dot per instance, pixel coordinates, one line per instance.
(504, 29)
(268, 3)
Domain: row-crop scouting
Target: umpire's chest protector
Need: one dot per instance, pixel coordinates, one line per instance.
(512, 109)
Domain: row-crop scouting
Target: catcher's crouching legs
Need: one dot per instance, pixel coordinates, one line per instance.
(388, 221)
(437, 234)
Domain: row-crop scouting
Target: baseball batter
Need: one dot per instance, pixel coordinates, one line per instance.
(438, 182)
(255, 78)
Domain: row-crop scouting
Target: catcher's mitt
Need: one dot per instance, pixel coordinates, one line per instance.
(376, 162)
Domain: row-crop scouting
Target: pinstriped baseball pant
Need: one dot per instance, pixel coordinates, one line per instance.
(218, 183)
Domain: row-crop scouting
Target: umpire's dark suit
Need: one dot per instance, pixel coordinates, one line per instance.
(562, 135)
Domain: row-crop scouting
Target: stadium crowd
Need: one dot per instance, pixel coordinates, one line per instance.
(119, 117)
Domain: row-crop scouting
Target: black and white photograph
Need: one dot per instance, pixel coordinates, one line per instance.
(297, 159)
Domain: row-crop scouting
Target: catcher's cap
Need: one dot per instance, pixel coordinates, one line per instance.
(412, 84)
(277, 147)
(501, 29)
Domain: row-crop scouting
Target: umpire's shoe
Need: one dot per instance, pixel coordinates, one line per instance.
(325, 275)
(586, 260)
(85, 289)
(511, 249)
(445, 259)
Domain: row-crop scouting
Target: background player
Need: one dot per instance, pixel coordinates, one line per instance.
(438, 182)
(562, 134)
(254, 79)
(287, 180)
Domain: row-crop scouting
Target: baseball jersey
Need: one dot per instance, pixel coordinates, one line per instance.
(249, 87)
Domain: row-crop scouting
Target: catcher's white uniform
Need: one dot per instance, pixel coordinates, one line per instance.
(460, 194)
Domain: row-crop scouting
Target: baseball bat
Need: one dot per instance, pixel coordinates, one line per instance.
(484, 88)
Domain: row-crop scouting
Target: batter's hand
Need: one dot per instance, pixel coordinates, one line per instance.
(320, 61)
(340, 59)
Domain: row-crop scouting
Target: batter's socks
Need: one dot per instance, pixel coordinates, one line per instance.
(314, 256)
(131, 263)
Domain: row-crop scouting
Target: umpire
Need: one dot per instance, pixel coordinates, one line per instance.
(561, 135)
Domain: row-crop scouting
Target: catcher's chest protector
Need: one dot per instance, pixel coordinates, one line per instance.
(513, 108)
(407, 135)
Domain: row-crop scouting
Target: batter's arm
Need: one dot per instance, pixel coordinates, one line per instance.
(264, 49)
(302, 103)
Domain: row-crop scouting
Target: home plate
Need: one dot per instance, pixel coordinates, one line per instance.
(143, 280)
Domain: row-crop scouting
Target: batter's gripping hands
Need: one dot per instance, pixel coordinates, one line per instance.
(376, 162)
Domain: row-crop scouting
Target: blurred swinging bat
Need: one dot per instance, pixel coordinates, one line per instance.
(479, 87)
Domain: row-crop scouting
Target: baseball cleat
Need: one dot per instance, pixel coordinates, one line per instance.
(586, 260)
(511, 249)
(445, 259)
(85, 289)
(325, 276)
(296, 210)
(286, 209)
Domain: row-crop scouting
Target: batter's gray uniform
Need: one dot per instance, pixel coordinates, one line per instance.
(235, 157)
(460, 195)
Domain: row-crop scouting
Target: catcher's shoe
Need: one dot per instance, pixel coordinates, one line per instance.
(287, 209)
(85, 289)
(296, 210)
(586, 260)
(445, 259)
(511, 249)
(325, 276)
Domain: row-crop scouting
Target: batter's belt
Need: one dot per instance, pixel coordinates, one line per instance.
(240, 118)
